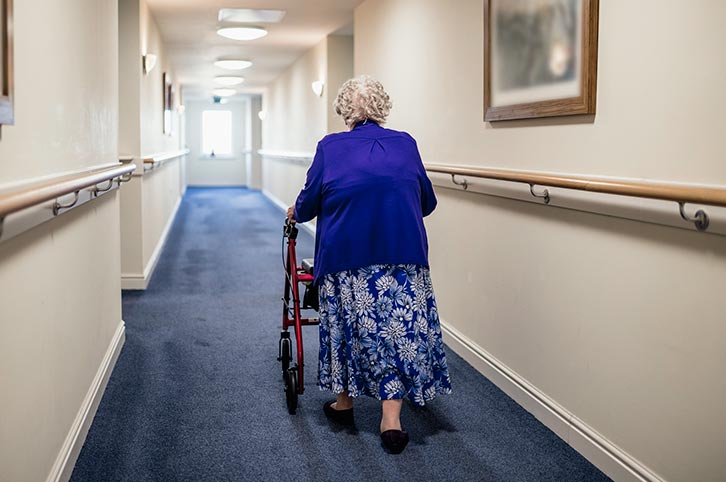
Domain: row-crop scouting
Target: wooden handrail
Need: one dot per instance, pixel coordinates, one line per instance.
(158, 159)
(33, 194)
(299, 157)
(165, 156)
(712, 196)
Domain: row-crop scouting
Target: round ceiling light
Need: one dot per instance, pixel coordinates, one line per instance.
(224, 92)
(228, 80)
(242, 33)
(233, 64)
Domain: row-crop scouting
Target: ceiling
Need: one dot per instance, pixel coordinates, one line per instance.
(189, 28)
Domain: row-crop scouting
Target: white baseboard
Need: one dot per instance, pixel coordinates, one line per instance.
(71, 448)
(613, 461)
(140, 281)
(309, 227)
(134, 281)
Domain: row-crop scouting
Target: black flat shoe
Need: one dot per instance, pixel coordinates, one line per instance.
(342, 417)
(394, 441)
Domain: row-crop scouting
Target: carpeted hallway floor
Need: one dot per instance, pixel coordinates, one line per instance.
(196, 394)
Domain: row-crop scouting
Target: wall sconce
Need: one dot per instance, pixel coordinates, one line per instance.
(318, 87)
(261, 114)
(149, 62)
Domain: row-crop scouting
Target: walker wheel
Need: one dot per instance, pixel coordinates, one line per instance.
(285, 355)
(291, 389)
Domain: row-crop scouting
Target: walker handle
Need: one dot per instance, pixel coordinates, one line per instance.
(289, 230)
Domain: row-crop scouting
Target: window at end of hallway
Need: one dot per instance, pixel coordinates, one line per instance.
(217, 133)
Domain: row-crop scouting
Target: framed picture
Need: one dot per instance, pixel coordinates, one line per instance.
(168, 94)
(6, 62)
(540, 58)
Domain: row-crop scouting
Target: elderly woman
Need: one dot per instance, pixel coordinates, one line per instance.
(379, 327)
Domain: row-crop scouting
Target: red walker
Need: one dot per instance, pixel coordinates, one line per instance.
(293, 375)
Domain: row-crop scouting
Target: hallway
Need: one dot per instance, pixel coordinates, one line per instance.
(554, 168)
(196, 393)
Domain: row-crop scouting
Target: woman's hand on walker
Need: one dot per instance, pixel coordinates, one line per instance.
(291, 214)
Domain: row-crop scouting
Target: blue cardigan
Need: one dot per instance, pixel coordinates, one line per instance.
(369, 191)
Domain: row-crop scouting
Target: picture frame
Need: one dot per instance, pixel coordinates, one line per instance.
(168, 95)
(7, 113)
(540, 58)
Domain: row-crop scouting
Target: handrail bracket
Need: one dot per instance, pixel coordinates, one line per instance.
(700, 219)
(58, 206)
(97, 190)
(544, 196)
(463, 183)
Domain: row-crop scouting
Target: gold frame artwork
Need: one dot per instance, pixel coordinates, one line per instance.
(508, 94)
(7, 116)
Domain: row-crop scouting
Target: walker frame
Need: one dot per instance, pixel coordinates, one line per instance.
(292, 306)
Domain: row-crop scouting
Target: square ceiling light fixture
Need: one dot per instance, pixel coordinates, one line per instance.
(246, 15)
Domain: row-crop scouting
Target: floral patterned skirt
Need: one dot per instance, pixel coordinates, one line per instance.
(380, 334)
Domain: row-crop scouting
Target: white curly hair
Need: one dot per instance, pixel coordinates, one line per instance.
(362, 98)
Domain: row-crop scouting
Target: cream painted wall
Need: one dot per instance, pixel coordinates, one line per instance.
(295, 116)
(619, 322)
(132, 255)
(153, 139)
(70, 129)
(283, 179)
(296, 119)
(254, 141)
(339, 69)
(203, 171)
(161, 196)
(657, 93)
(59, 282)
(148, 206)
(129, 46)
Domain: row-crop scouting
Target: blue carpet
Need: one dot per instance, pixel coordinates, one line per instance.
(196, 394)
